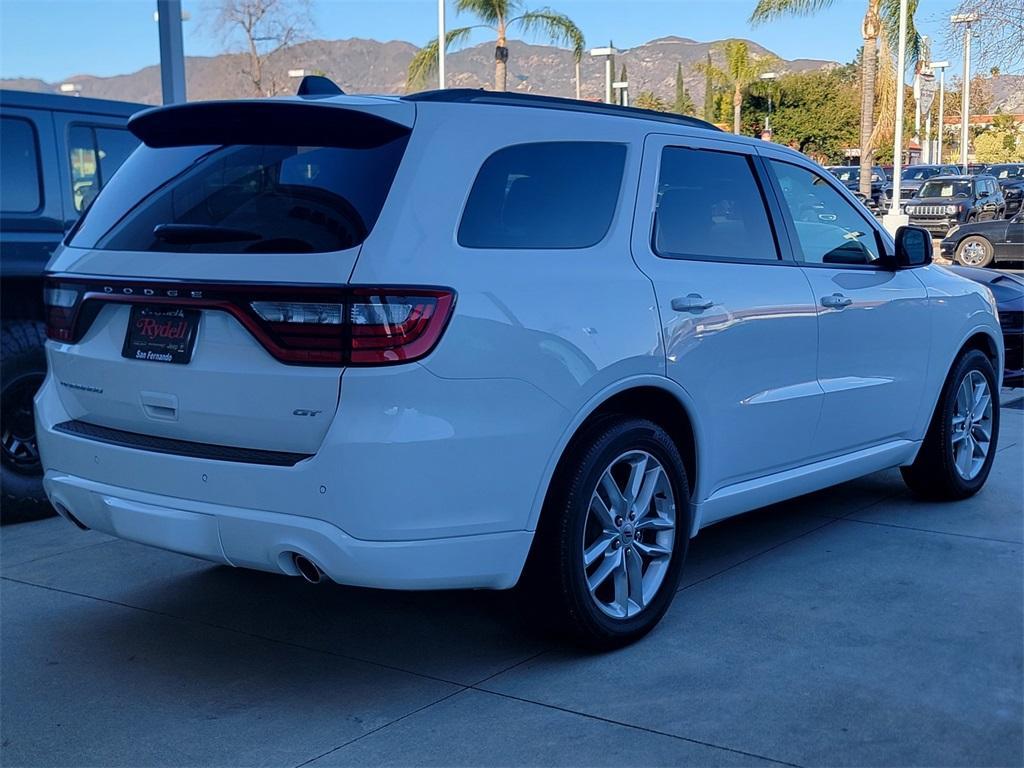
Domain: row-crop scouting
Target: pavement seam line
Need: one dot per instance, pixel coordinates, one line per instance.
(633, 726)
(382, 727)
(233, 630)
(63, 552)
(929, 530)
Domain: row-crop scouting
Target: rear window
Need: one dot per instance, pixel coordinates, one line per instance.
(544, 195)
(245, 198)
(19, 158)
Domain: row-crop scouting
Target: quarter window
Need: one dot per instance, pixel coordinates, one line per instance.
(544, 195)
(829, 229)
(710, 206)
(20, 188)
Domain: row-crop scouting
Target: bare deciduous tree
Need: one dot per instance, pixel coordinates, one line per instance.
(261, 28)
(998, 39)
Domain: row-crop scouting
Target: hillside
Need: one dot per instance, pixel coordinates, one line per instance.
(369, 66)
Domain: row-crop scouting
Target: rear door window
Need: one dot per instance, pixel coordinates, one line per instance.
(281, 198)
(95, 153)
(20, 187)
(710, 206)
(544, 195)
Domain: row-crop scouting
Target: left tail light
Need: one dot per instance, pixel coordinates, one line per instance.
(301, 325)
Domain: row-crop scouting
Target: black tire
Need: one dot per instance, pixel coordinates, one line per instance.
(22, 370)
(555, 585)
(975, 240)
(933, 474)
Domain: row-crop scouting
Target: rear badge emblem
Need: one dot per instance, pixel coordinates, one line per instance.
(305, 412)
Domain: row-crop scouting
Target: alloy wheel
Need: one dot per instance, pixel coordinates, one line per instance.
(973, 253)
(18, 431)
(629, 534)
(971, 425)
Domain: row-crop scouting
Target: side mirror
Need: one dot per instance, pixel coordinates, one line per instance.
(913, 247)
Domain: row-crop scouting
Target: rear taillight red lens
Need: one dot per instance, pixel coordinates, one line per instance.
(301, 325)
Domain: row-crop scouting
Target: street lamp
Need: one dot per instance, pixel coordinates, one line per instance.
(965, 95)
(621, 88)
(769, 77)
(894, 219)
(941, 67)
(609, 53)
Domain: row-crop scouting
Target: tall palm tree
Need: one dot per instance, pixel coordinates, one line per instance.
(881, 17)
(741, 70)
(501, 17)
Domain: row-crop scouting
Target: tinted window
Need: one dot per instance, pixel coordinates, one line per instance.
(710, 206)
(544, 195)
(95, 153)
(242, 198)
(828, 227)
(20, 188)
(114, 146)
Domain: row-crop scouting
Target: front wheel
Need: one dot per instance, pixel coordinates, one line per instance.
(614, 534)
(975, 251)
(956, 456)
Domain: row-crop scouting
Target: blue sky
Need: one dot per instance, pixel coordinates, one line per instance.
(54, 39)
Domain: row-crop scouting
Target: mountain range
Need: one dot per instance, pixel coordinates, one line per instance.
(370, 66)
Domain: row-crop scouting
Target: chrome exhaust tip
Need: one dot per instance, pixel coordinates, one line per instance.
(308, 569)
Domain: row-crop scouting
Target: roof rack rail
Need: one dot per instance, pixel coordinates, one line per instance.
(480, 96)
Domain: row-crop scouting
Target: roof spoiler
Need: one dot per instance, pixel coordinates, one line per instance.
(265, 121)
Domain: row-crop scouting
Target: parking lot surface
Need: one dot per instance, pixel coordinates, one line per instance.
(853, 626)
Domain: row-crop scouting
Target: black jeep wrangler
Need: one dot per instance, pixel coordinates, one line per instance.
(56, 152)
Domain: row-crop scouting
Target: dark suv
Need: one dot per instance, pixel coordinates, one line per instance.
(1011, 181)
(850, 176)
(56, 154)
(913, 177)
(944, 202)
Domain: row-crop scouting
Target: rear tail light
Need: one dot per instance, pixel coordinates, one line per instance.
(301, 325)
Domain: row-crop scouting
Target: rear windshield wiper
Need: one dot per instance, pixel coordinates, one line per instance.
(185, 234)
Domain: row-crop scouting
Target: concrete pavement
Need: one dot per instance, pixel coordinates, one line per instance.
(854, 626)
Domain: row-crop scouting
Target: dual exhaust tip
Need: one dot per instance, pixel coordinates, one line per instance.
(307, 569)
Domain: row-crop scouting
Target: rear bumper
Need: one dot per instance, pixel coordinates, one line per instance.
(421, 483)
(268, 541)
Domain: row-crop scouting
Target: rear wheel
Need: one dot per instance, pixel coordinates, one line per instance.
(975, 251)
(957, 453)
(23, 371)
(614, 534)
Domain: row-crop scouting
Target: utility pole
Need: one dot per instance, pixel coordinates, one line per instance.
(172, 51)
(965, 101)
(441, 35)
(941, 67)
(894, 219)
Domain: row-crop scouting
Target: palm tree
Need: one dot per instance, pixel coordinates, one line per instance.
(500, 16)
(881, 18)
(740, 71)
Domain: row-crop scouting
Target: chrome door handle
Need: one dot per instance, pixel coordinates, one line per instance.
(692, 302)
(836, 301)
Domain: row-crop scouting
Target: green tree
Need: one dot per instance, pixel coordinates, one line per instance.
(880, 24)
(709, 91)
(683, 104)
(501, 17)
(1001, 142)
(623, 76)
(740, 71)
(647, 100)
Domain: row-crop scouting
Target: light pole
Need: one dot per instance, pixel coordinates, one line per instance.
(965, 94)
(609, 53)
(941, 66)
(894, 219)
(769, 77)
(172, 50)
(440, 44)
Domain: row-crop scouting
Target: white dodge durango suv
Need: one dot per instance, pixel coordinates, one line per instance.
(465, 340)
